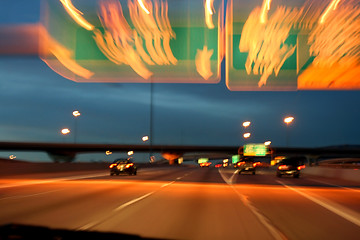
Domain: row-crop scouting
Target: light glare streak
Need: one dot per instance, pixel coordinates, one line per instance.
(143, 7)
(76, 15)
(156, 30)
(209, 6)
(117, 43)
(332, 6)
(265, 43)
(203, 63)
(265, 8)
(335, 44)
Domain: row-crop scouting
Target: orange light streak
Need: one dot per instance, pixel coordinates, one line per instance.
(203, 63)
(76, 15)
(335, 45)
(155, 29)
(143, 7)
(264, 9)
(62, 54)
(118, 41)
(265, 43)
(209, 6)
(333, 5)
(64, 57)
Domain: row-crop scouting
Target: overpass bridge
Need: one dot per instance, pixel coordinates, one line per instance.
(67, 151)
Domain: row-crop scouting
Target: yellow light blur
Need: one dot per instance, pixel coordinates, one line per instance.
(130, 153)
(203, 63)
(264, 10)
(123, 45)
(143, 7)
(108, 152)
(264, 40)
(12, 157)
(208, 6)
(63, 55)
(246, 124)
(335, 44)
(145, 138)
(247, 135)
(288, 120)
(156, 30)
(267, 143)
(65, 131)
(76, 113)
(332, 6)
(76, 15)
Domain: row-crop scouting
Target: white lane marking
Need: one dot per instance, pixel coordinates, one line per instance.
(51, 180)
(167, 184)
(121, 207)
(330, 184)
(228, 180)
(133, 201)
(342, 211)
(276, 233)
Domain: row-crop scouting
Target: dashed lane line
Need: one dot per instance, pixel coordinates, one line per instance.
(275, 232)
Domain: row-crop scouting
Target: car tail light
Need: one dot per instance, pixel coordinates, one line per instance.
(283, 167)
(240, 163)
(129, 165)
(254, 164)
(112, 165)
(300, 167)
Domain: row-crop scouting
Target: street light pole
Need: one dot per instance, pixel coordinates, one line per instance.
(76, 114)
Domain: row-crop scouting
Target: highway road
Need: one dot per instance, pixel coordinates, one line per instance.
(184, 203)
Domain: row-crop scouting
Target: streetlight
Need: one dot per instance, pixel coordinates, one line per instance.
(145, 138)
(267, 143)
(76, 114)
(130, 153)
(65, 131)
(288, 120)
(247, 135)
(246, 124)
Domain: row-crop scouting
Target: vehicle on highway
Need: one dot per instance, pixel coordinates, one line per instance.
(205, 164)
(246, 164)
(290, 166)
(125, 166)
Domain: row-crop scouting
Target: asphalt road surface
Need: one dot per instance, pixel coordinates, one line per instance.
(184, 203)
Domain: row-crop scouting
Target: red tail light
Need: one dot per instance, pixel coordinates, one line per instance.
(283, 167)
(240, 163)
(300, 167)
(129, 165)
(254, 164)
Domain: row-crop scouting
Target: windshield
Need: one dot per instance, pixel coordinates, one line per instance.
(179, 119)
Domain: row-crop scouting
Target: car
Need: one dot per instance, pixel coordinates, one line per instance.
(205, 164)
(125, 166)
(246, 165)
(290, 166)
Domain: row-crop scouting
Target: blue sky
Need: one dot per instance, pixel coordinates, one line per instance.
(36, 103)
